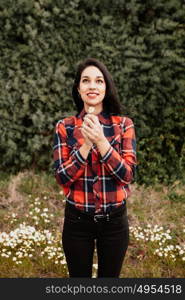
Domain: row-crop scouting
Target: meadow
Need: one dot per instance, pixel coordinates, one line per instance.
(31, 220)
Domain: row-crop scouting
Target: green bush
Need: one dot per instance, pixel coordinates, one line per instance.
(142, 44)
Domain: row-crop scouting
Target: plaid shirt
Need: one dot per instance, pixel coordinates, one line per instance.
(97, 183)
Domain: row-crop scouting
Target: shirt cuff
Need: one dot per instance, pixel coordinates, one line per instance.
(107, 155)
(80, 158)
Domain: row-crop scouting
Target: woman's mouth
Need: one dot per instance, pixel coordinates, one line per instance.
(92, 95)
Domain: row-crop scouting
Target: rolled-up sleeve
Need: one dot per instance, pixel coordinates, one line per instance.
(68, 168)
(122, 165)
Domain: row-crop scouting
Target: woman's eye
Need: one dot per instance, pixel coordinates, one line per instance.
(100, 81)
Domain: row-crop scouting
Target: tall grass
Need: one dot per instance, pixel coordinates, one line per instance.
(31, 220)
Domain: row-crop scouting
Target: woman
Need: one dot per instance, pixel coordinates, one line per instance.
(95, 158)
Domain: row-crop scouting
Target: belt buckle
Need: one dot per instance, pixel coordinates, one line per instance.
(96, 217)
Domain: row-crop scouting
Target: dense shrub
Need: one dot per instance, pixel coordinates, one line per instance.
(141, 42)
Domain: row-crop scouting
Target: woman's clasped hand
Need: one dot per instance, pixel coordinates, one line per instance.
(92, 129)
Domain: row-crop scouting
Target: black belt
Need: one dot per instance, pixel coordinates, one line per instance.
(116, 212)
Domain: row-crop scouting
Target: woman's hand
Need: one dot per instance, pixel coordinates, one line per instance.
(92, 129)
(87, 141)
(93, 132)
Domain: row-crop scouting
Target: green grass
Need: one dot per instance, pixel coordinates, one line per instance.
(34, 202)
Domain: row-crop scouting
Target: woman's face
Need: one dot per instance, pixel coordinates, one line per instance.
(92, 88)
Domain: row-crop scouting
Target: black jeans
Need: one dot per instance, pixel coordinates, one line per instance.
(81, 233)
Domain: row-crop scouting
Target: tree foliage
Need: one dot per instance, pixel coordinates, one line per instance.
(141, 42)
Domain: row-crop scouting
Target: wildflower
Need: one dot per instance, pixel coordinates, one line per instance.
(63, 262)
(46, 221)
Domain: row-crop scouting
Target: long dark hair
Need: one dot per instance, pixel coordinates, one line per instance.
(110, 102)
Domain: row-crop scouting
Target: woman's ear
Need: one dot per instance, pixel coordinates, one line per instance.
(78, 92)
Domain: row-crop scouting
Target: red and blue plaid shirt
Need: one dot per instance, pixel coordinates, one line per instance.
(97, 183)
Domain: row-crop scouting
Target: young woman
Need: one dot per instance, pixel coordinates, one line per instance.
(95, 158)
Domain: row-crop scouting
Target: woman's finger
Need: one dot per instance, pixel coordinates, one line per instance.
(87, 128)
(94, 119)
(89, 122)
(87, 134)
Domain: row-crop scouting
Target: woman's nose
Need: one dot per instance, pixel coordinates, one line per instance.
(92, 84)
